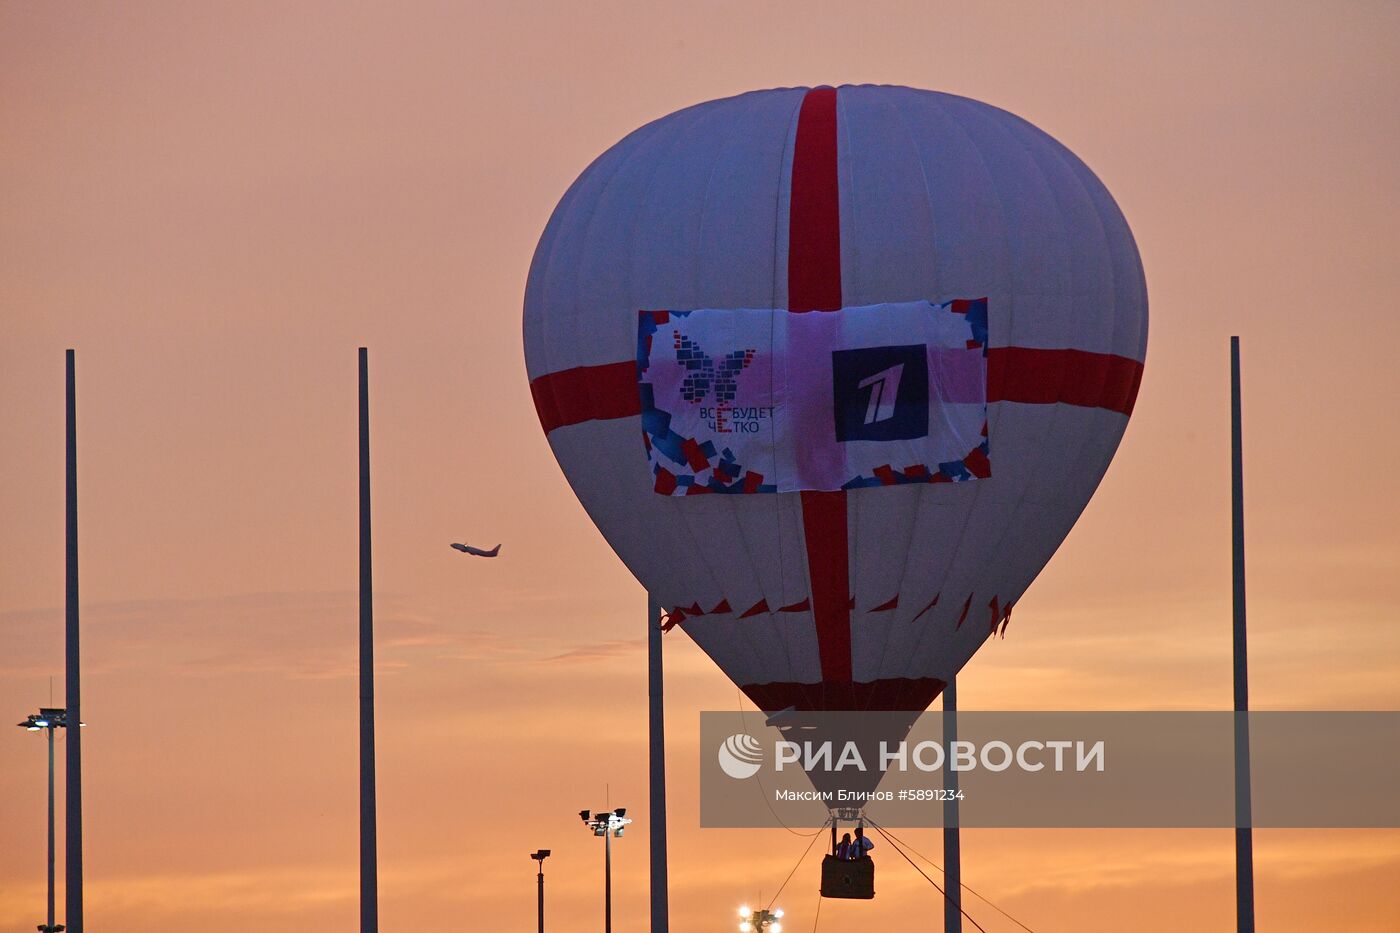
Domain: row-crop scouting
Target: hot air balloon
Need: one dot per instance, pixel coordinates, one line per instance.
(834, 371)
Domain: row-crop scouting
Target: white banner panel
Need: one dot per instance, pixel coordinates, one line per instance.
(758, 400)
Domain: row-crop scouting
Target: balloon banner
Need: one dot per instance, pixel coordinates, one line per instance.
(763, 401)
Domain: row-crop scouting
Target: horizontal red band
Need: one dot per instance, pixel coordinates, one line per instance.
(1075, 377)
(586, 393)
(1028, 375)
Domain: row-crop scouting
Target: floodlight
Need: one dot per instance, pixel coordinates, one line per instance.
(606, 824)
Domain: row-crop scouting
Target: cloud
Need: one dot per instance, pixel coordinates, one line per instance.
(308, 635)
(597, 651)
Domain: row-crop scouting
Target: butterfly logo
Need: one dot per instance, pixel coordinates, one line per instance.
(704, 373)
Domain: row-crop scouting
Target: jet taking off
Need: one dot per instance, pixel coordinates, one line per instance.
(476, 551)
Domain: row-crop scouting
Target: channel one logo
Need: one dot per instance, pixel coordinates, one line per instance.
(880, 393)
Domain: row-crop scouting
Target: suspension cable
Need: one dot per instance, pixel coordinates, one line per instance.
(744, 722)
(967, 888)
(945, 894)
(800, 859)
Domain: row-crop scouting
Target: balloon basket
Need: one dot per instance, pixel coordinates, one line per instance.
(852, 879)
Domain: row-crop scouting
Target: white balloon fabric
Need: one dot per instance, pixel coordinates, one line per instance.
(803, 201)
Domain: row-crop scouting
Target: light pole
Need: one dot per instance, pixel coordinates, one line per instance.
(656, 729)
(952, 838)
(606, 823)
(540, 856)
(72, 666)
(760, 921)
(369, 820)
(1244, 818)
(48, 719)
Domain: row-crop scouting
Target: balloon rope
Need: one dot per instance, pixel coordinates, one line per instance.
(817, 916)
(774, 898)
(761, 789)
(945, 894)
(965, 887)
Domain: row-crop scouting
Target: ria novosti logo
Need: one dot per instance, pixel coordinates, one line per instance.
(740, 756)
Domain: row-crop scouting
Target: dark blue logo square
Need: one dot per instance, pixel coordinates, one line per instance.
(881, 393)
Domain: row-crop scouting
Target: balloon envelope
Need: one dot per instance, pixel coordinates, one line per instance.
(697, 317)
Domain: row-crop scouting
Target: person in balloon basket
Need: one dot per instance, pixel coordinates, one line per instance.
(860, 846)
(843, 848)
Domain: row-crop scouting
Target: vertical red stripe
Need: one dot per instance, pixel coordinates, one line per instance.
(824, 526)
(814, 284)
(814, 220)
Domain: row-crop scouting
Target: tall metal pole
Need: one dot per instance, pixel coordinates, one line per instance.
(369, 860)
(541, 895)
(73, 777)
(51, 847)
(607, 882)
(656, 719)
(1244, 819)
(952, 842)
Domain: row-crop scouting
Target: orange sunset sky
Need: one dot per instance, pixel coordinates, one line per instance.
(216, 203)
